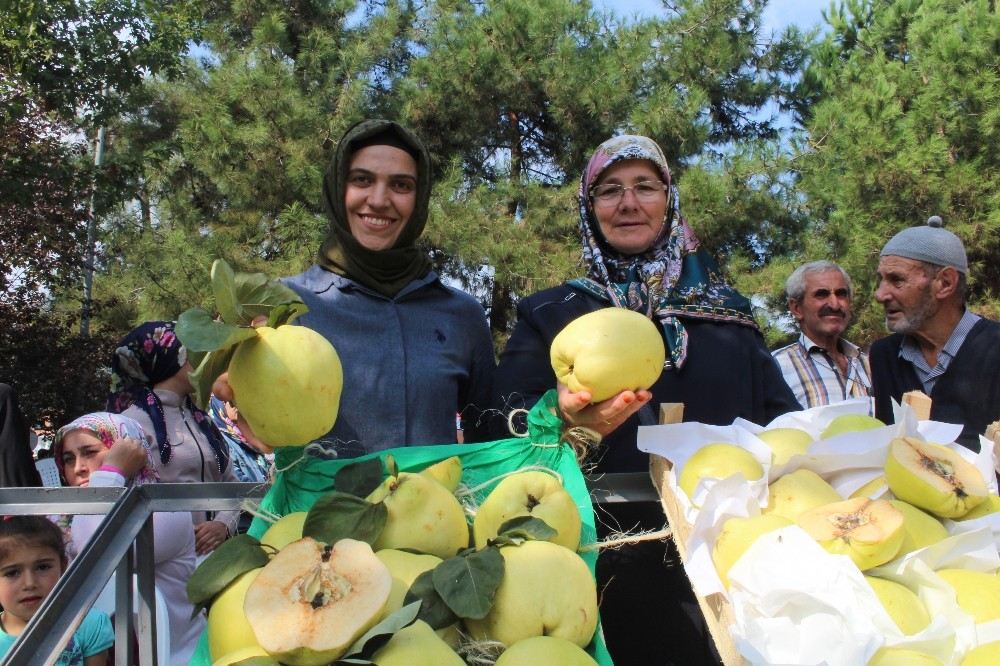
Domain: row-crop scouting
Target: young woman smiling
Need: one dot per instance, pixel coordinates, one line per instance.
(414, 350)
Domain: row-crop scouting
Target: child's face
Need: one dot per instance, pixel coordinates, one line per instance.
(83, 452)
(27, 575)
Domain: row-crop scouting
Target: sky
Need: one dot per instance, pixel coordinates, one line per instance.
(777, 15)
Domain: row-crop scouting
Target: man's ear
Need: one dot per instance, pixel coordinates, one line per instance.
(946, 282)
(795, 309)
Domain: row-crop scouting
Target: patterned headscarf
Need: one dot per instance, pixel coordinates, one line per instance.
(108, 428)
(385, 271)
(148, 355)
(674, 278)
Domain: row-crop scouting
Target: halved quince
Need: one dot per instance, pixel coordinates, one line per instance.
(933, 477)
(310, 603)
(869, 532)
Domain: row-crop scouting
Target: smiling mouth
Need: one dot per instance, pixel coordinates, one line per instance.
(379, 222)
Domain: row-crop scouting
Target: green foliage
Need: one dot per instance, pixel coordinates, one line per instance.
(906, 127)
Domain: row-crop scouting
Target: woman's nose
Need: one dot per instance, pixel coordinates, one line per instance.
(378, 196)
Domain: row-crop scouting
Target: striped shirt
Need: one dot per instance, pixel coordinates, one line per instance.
(909, 350)
(814, 376)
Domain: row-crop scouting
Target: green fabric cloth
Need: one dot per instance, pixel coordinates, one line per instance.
(385, 271)
(300, 482)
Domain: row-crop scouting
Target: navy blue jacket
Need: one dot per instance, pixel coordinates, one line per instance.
(728, 373)
(968, 393)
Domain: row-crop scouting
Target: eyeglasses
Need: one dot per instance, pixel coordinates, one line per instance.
(611, 193)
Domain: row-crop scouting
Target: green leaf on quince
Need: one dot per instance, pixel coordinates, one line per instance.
(235, 557)
(207, 371)
(527, 527)
(359, 478)
(379, 635)
(468, 583)
(224, 289)
(433, 610)
(339, 515)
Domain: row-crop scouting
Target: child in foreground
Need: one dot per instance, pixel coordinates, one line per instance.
(32, 557)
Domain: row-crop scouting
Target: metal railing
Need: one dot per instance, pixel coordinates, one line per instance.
(123, 544)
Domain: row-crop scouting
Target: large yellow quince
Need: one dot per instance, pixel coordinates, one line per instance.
(797, 492)
(736, 537)
(718, 461)
(539, 650)
(423, 516)
(547, 590)
(608, 351)
(902, 605)
(286, 382)
(532, 493)
(228, 628)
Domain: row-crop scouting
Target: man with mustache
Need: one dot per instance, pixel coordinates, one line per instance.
(937, 345)
(822, 367)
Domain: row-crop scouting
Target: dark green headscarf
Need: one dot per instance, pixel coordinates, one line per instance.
(385, 271)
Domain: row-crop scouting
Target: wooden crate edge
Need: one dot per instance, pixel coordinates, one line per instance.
(716, 609)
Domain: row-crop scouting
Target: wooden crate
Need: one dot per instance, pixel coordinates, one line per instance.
(715, 607)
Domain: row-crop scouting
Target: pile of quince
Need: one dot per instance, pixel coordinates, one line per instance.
(390, 571)
(927, 482)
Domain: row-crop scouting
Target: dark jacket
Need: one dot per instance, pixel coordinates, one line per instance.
(967, 393)
(728, 373)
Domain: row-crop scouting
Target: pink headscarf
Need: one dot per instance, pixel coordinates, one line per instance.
(108, 428)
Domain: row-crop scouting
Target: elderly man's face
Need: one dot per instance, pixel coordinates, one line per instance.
(906, 292)
(824, 311)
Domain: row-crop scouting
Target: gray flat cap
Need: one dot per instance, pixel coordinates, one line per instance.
(931, 243)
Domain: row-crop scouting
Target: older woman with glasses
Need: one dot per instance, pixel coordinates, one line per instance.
(640, 254)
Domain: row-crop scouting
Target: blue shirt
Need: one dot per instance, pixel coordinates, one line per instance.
(93, 636)
(909, 350)
(410, 362)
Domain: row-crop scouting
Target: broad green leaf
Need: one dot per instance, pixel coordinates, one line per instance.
(529, 527)
(204, 376)
(224, 287)
(200, 333)
(233, 558)
(380, 634)
(467, 583)
(337, 515)
(433, 610)
(359, 478)
(259, 295)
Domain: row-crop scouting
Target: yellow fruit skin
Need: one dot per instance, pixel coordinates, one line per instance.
(991, 505)
(850, 423)
(447, 472)
(239, 655)
(797, 492)
(785, 443)
(423, 516)
(893, 656)
(287, 383)
(286, 530)
(921, 529)
(416, 645)
(228, 628)
(546, 590)
(736, 537)
(718, 461)
(539, 650)
(984, 655)
(902, 605)
(910, 487)
(976, 592)
(868, 490)
(608, 351)
(531, 493)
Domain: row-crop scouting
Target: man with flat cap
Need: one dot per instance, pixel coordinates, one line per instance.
(937, 345)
